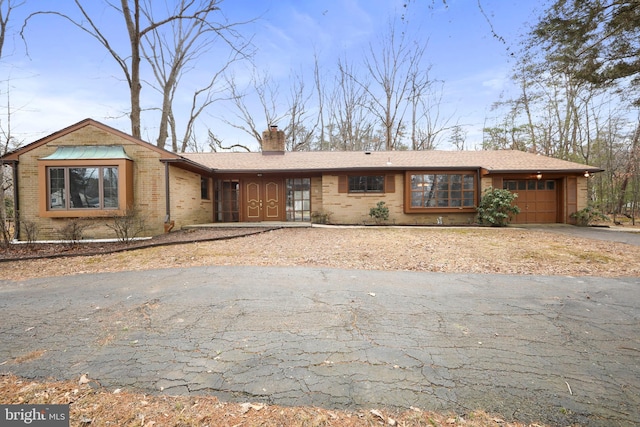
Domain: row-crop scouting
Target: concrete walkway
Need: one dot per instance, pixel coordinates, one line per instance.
(557, 350)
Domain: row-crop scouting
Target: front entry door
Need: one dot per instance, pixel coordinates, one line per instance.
(264, 200)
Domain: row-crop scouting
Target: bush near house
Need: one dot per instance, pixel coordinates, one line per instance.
(380, 213)
(496, 207)
(587, 216)
(72, 232)
(128, 226)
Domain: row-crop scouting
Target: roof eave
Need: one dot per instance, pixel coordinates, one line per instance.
(190, 165)
(548, 171)
(348, 169)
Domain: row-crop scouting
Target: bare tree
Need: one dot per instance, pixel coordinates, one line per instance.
(320, 92)
(299, 130)
(393, 66)
(216, 144)
(7, 141)
(140, 22)
(174, 52)
(201, 99)
(427, 121)
(265, 93)
(351, 129)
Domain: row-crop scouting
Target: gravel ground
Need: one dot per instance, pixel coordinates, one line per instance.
(459, 250)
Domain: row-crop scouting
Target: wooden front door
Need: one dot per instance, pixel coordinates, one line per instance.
(264, 200)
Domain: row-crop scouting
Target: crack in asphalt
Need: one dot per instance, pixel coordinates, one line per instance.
(335, 339)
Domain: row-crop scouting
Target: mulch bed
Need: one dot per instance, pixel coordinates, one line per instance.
(24, 251)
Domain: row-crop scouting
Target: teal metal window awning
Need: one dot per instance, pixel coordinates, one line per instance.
(88, 152)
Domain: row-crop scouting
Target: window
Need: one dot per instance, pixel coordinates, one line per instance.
(530, 185)
(204, 188)
(299, 199)
(442, 190)
(366, 184)
(85, 181)
(227, 201)
(82, 188)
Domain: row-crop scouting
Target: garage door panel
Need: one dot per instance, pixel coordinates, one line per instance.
(537, 200)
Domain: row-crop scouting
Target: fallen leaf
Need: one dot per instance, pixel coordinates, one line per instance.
(246, 406)
(377, 414)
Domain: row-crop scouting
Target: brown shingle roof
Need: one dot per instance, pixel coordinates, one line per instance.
(493, 161)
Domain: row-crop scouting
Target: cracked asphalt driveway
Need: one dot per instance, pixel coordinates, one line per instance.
(558, 350)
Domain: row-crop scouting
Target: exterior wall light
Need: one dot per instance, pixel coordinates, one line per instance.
(539, 176)
(586, 174)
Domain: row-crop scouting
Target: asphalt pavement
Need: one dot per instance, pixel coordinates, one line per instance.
(628, 235)
(557, 350)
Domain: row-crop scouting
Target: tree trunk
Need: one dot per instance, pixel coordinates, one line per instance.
(133, 27)
(630, 167)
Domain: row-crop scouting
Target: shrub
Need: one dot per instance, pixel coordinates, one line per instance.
(128, 226)
(380, 213)
(587, 216)
(321, 217)
(496, 207)
(31, 230)
(73, 231)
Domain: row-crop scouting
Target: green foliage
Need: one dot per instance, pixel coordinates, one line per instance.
(587, 216)
(496, 207)
(596, 41)
(380, 213)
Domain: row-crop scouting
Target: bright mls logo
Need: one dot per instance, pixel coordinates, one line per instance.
(34, 415)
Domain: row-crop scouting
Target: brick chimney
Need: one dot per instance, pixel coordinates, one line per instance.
(273, 141)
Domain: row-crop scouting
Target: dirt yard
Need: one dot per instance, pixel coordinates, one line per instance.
(447, 250)
(460, 250)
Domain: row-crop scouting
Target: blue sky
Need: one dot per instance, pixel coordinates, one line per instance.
(68, 76)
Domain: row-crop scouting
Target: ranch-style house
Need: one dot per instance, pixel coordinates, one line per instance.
(94, 172)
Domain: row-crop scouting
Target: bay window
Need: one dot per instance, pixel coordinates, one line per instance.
(85, 181)
(431, 191)
(82, 187)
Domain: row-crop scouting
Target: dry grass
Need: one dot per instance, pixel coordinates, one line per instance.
(94, 406)
(464, 250)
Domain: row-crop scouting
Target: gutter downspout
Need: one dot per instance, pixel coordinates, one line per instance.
(479, 189)
(168, 223)
(16, 199)
(16, 203)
